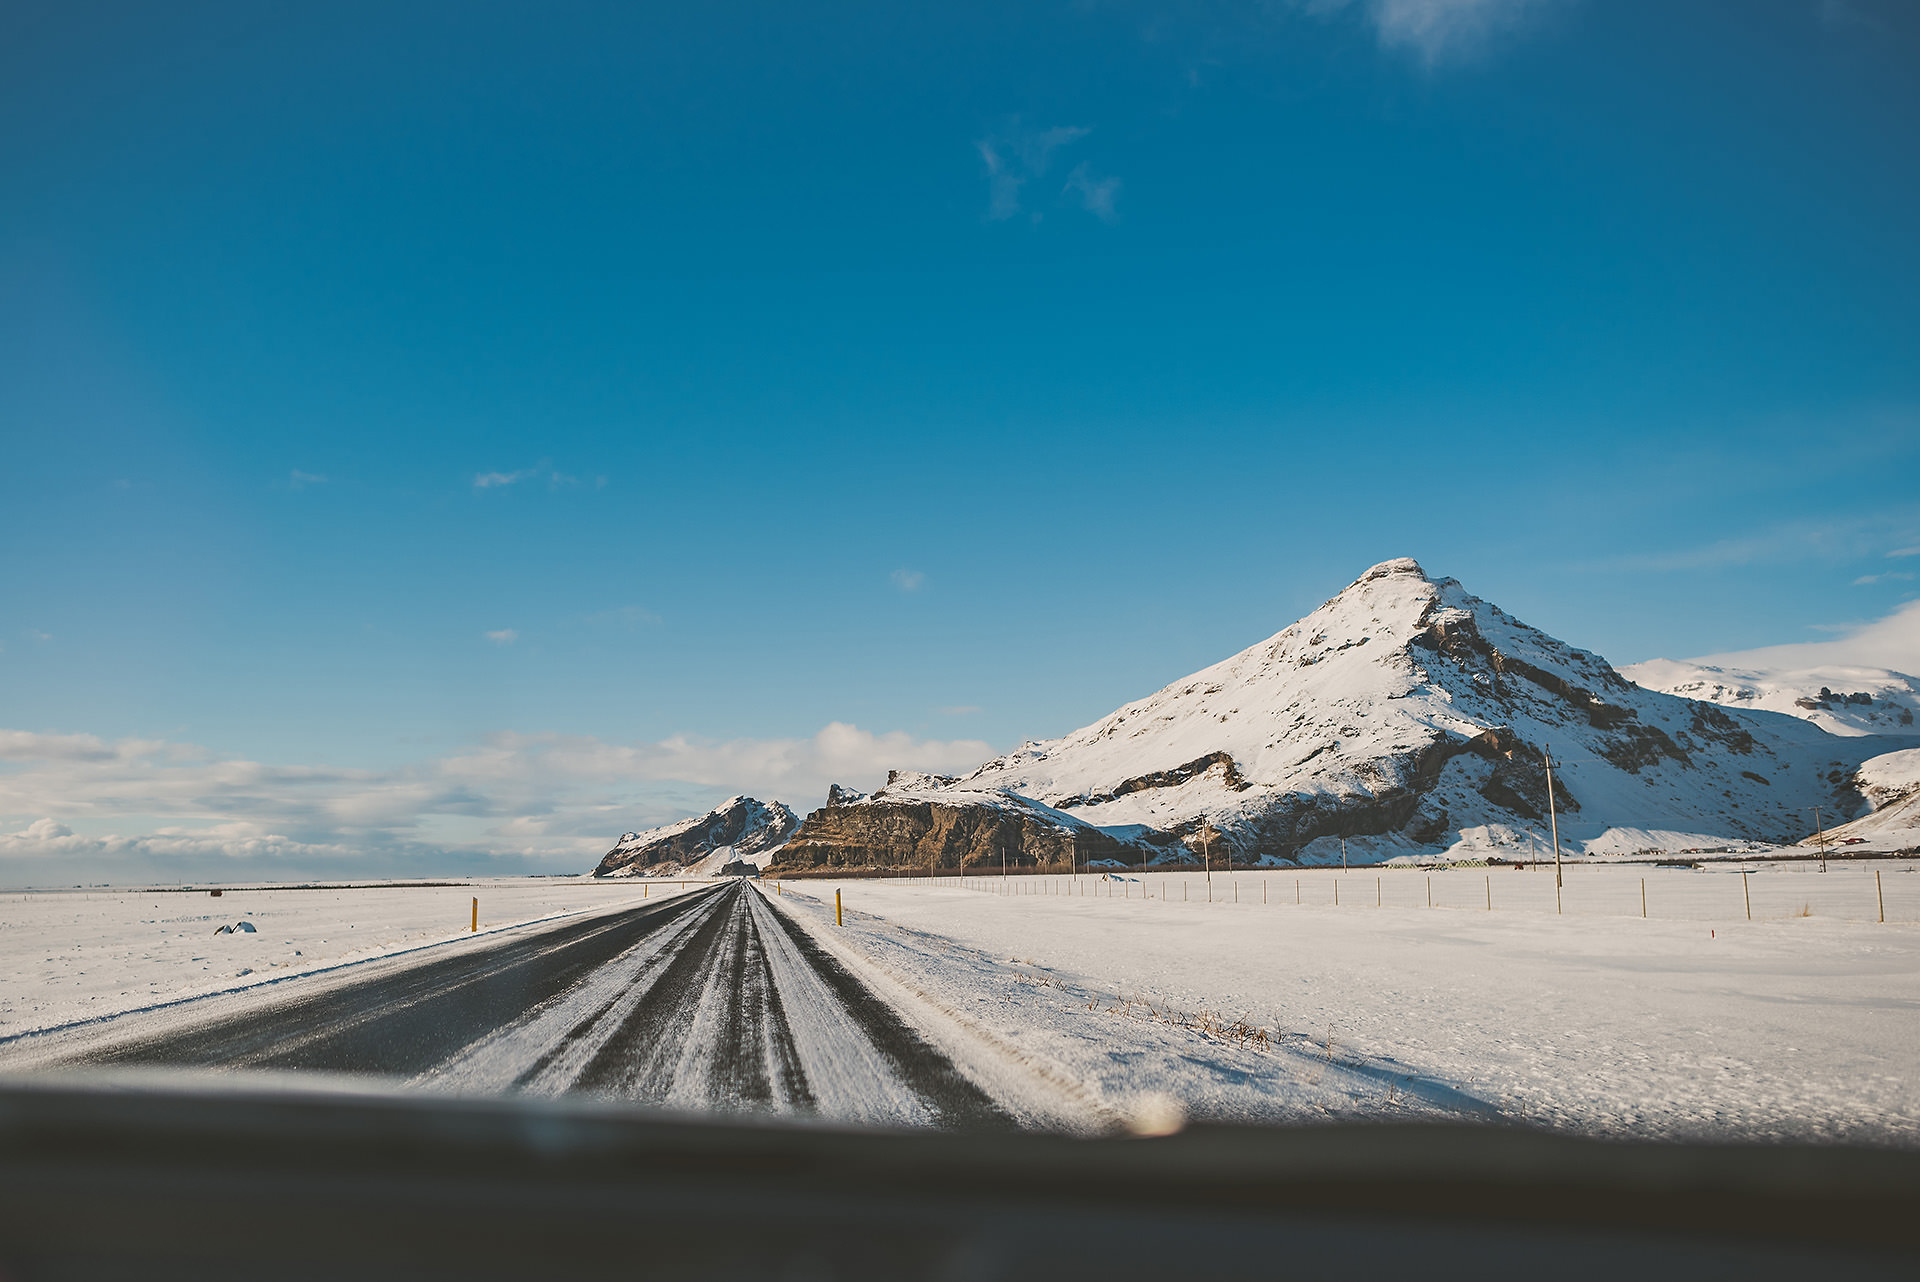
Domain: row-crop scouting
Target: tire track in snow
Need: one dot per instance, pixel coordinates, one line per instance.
(404, 1022)
(709, 1001)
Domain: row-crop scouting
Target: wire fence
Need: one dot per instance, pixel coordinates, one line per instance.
(1886, 893)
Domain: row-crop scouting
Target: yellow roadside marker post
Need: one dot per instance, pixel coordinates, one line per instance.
(836, 910)
(476, 916)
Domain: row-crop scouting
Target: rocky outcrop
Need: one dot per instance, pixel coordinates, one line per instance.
(1222, 761)
(747, 825)
(954, 833)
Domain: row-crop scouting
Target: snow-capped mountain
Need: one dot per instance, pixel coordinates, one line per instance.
(1411, 715)
(1840, 700)
(739, 828)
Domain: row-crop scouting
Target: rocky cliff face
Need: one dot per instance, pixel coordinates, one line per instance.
(748, 826)
(919, 821)
(1405, 713)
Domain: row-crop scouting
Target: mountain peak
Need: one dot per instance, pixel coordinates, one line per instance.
(1399, 566)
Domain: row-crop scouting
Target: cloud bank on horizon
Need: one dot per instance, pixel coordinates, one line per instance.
(517, 802)
(1892, 642)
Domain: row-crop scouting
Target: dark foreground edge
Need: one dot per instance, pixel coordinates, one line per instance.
(130, 1176)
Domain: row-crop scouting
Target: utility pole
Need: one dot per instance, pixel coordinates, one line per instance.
(1553, 816)
(1819, 837)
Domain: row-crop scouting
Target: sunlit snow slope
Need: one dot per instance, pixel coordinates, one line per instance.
(1840, 700)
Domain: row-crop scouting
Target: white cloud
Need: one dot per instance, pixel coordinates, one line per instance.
(908, 580)
(540, 471)
(1904, 552)
(1866, 579)
(492, 480)
(1892, 642)
(1438, 31)
(505, 636)
(1096, 194)
(150, 807)
(1017, 157)
(301, 480)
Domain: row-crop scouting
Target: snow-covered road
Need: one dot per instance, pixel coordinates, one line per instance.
(713, 1000)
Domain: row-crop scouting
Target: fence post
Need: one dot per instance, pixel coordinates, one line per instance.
(1489, 892)
(1879, 894)
(1429, 890)
(1747, 892)
(1336, 892)
(1643, 899)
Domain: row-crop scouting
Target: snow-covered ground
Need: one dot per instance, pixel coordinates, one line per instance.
(1292, 995)
(67, 955)
(1692, 1021)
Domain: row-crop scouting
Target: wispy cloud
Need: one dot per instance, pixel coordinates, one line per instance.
(505, 636)
(1883, 577)
(1439, 31)
(1848, 538)
(908, 580)
(301, 480)
(1891, 642)
(542, 471)
(156, 805)
(1096, 194)
(960, 710)
(1018, 156)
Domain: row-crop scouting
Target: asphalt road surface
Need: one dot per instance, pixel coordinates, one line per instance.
(713, 1000)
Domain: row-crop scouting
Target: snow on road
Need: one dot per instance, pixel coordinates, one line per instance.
(80, 954)
(725, 1008)
(1698, 1023)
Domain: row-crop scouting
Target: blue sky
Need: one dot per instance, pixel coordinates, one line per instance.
(444, 436)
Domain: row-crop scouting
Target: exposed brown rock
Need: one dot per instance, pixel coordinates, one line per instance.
(924, 834)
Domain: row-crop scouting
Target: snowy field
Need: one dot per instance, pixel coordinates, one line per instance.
(68, 955)
(1691, 1022)
(1096, 1005)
